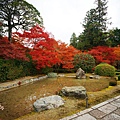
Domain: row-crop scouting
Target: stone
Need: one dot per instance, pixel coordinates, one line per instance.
(85, 117)
(97, 113)
(80, 74)
(94, 77)
(74, 91)
(47, 103)
(108, 108)
(111, 116)
(52, 75)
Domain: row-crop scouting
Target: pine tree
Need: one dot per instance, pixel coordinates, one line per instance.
(95, 26)
(73, 40)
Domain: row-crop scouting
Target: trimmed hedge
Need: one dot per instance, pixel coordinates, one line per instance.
(105, 69)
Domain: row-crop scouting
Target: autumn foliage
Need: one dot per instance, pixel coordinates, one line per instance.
(117, 52)
(103, 54)
(45, 50)
(12, 51)
(66, 55)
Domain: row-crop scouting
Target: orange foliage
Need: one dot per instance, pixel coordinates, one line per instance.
(117, 52)
(66, 55)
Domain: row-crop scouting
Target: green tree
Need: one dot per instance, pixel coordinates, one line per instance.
(18, 14)
(84, 61)
(101, 12)
(114, 37)
(73, 40)
(95, 26)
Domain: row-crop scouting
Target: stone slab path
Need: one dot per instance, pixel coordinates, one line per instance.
(108, 110)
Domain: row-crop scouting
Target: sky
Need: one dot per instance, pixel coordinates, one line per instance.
(63, 17)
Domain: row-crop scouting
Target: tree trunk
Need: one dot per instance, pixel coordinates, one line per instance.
(9, 31)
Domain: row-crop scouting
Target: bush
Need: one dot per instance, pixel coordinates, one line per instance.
(119, 77)
(46, 70)
(105, 69)
(13, 69)
(117, 73)
(113, 83)
(85, 62)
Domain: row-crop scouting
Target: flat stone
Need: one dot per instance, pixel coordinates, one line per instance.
(117, 111)
(116, 103)
(84, 111)
(99, 105)
(85, 117)
(111, 117)
(108, 108)
(117, 97)
(97, 113)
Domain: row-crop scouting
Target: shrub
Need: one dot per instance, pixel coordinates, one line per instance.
(13, 69)
(113, 83)
(46, 70)
(84, 61)
(105, 69)
(119, 77)
(117, 73)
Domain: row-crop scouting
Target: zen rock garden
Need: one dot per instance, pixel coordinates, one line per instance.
(56, 101)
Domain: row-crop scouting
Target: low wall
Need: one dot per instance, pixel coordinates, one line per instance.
(12, 84)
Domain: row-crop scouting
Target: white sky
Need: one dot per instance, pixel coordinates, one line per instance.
(63, 17)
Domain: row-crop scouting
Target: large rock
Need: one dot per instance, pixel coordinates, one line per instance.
(49, 102)
(74, 91)
(80, 74)
(52, 75)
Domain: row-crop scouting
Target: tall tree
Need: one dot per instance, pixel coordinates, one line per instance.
(73, 40)
(18, 14)
(95, 26)
(101, 12)
(114, 37)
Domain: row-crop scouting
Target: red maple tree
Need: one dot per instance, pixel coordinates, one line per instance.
(11, 50)
(45, 50)
(66, 54)
(103, 54)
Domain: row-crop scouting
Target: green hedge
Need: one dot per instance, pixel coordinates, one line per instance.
(105, 69)
(13, 69)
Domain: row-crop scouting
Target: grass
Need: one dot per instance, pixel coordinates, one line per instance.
(98, 90)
